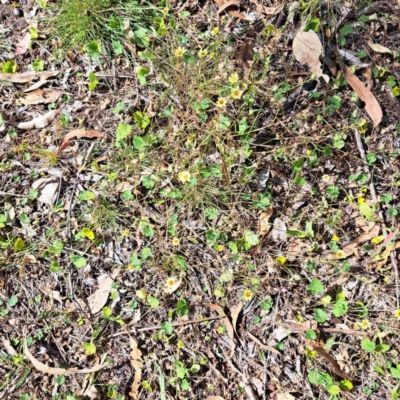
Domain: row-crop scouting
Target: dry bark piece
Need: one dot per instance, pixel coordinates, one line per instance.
(378, 47)
(23, 44)
(228, 325)
(27, 77)
(40, 96)
(371, 104)
(136, 362)
(307, 49)
(77, 133)
(222, 3)
(38, 122)
(264, 226)
(59, 371)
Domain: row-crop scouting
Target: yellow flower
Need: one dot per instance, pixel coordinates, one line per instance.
(361, 200)
(280, 260)
(221, 102)
(165, 11)
(397, 314)
(215, 31)
(325, 178)
(308, 152)
(236, 93)
(220, 247)
(125, 232)
(202, 53)
(310, 352)
(247, 295)
(179, 52)
(175, 241)
(340, 254)
(170, 282)
(141, 156)
(180, 344)
(130, 267)
(378, 239)
(211, 56)
(335, 238)
(233, 78)
(365, 324)
(221, 329)
(184, 176)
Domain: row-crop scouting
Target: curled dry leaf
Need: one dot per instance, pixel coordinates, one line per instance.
(28, 259)
(264, 225)
(77, 133)
(59, 371)
(307, 49)
(38, 122)
(235, 314)
(279, 231)
(40, 96)
(371, 104)
(7, 345)
(47, 188)
(223, 3)
(266, 10)
(27, 77)
(379, 48)
(100, 297)
(23, 44)
(136, 362)
(228, 325)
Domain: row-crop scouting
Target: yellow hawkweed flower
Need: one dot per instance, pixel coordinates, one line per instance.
(325, 178)
(202, 53)
(280, 260)
(165, 11)
(141, 156)
(335, 238)
(184, 176)
(221, 102)
(220, 247)
(365, 324)
(211, 56)
(247, 295)
(180, 344)
(130, 267)
(360, 200)
(215, 31)
(378, 239)
(340, 254)
(233, 78)
(179, 52)
(236, 93)
(170, 282)
(397, 314)
(175, 241)
(125, 232)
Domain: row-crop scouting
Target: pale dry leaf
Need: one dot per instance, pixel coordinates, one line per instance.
(23, 44)
(89, 391)
(264, 226)
(7, 345)
(228, 4)
(228, 325)
(235, 314)
(59, 371)
(48, 189)
(284, 396)
(378, 47)
(28, 259)
(234, 13)
(171, 289)
(40, 96)
(99, 298)
(279, 231)
(296, 248)
(27, 77)
(307, 49)
(136, 362)
(124, 186)
(39, 122)
(372, 106)
(78, 133)
(266, 10)
(215, 398)
(35, 86)
(263, 346)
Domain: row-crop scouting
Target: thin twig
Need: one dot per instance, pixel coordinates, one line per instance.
(192, 321)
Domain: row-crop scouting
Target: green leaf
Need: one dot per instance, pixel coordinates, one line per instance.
(346, 30)
(386, 198)
(54, 267)
(312, 24)
(38, 65)
(153, 301)
(139, 143)
(392, 212)
(298, 164)
(367, 345)
(333, 191)
(118, 48)
(1, 120)
(86, 195)
(13, 301)
(57, 247)
(19, 244)
(107, 312)
(89, 348)
(340, 308)
(311, 334)
(267, 304)
(78, 261)
(123, 131)
(141, 73)
(251, 238)
(382, 348)
(185, 385)
(320, 315)
(333, 389)
(335, 101)
(146, 253)
(365, 210)
(94, 49)
(60, 379)
(182, 308)
(315, 287)
(118, 108)
(166, 327)
(395, 372)
(224, 122)
(316, 378)
(371, 158)
(9, 67)
(141, 120)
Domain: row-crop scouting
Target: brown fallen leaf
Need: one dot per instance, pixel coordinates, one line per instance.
(77, 133)
(367, 74)
(99, 298)
(40, 96)
(263, 346)
(372, 106)
(307, 49)
(228, 325)
(59, 371)
(235, 314)
(264, 226)
(23, 44)
(136, 362)
(27, 77)
(39, 122)
(384, 256)
(215, 398)
(265, 10)
(379, 48)
(284, 396)
(245, 59)
(47, 188)
(222, 3)
(8, 347)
